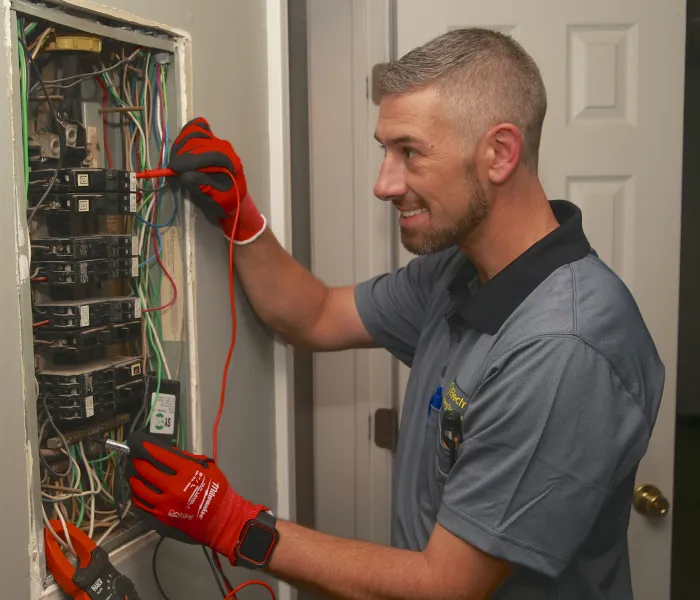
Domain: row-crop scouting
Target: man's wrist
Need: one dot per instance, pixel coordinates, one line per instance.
(257, 541)
(250, 223)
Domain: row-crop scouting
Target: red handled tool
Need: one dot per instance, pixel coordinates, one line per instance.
(95, 578)
(159, 173)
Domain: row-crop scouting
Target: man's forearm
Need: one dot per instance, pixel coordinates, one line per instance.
(350, 569)
(283, 293)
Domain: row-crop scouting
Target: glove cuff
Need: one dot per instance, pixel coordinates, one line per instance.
(251, 223)
(227, 525)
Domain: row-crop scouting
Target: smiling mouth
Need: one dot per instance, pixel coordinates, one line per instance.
(412, 213)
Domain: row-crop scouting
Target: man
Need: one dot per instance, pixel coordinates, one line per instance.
(539, 348)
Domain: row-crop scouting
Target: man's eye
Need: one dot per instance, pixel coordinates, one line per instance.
(409, 152)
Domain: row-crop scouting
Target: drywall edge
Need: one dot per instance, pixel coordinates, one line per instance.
(281, 224)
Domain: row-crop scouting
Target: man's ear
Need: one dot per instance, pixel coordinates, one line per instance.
(503, 145)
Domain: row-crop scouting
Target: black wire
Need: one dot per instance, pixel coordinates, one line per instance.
(77, 79)
(63, 440)
(155, 570)
(215, 571)
(61, 133)
(221, 571)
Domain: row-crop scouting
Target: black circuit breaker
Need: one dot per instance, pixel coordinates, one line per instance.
(83, 345)
(83, 272)
(84, 247)
(70, 314)
(75, 181)
(95, 389)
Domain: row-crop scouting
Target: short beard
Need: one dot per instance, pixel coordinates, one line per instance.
(475, 212)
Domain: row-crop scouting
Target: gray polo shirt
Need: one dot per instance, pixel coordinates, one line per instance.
(558, 384)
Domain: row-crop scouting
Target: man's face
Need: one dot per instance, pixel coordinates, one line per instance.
(426, 174)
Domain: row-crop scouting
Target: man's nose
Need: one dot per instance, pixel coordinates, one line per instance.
(391, 182)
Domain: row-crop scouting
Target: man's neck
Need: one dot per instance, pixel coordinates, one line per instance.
(516, 222)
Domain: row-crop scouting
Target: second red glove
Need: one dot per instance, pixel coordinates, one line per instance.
(195, 154)
(185, 496)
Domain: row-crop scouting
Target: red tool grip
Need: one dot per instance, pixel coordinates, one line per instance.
(155, 174)
(158, 173)
(57, 562)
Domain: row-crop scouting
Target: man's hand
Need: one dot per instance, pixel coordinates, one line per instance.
(185, 496)
(212, 172)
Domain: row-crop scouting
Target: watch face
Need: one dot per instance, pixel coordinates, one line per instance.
(256, 543)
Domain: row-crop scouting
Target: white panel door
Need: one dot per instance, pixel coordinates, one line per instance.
(612, 143)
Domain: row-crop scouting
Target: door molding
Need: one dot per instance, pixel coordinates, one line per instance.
(351, 241)
(281, 224)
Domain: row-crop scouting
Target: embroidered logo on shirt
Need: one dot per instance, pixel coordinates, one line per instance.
(454, 400)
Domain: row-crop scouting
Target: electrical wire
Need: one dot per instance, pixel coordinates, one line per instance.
(77, 79)
(57, 430)
(214, 571)
(222, 400)
(154, 567)
(244, 585)
(61, 132)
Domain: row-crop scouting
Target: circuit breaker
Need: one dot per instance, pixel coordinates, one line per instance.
(100, 102)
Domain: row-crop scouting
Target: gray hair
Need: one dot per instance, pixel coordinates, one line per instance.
(484, 78)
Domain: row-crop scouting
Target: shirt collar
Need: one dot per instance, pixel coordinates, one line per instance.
(487, 307)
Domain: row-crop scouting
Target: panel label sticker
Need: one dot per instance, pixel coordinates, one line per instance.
(134, 245)
(163, 420)
(84, 315)
(132, 203)
(173, 258)
(83, 179)
(137, 308)
(89, 406)
(135, 266)
(84, 205)
(132, 181)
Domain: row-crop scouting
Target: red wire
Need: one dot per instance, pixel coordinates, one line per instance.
(41, 323)
(156, 250)
(104, 121)
(233, 593)
(231, 292)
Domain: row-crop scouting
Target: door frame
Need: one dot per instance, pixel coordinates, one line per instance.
(280, 221)
(361, 245)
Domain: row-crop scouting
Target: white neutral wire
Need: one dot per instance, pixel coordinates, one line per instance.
(52, 531)
(114, 525)
(57, 508)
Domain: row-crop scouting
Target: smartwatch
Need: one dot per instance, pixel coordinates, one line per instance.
(258, 539)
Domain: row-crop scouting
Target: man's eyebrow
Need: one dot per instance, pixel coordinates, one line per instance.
(402, 139)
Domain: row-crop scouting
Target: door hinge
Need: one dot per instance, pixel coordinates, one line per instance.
(386, 428)
(377, 71)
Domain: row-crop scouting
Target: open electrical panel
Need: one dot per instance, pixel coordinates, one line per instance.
(99, 103)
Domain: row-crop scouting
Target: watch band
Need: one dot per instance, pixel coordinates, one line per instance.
(258, 540)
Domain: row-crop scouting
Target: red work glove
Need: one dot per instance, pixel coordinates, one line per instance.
(212, 172)
(185, 496)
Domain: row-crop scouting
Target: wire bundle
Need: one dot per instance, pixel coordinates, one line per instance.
(143, 84)
(82, 494)
(88, 489)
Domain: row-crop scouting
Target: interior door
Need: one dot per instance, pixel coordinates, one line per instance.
(612, 143)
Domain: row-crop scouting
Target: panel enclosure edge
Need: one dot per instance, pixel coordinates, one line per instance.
(164, 39)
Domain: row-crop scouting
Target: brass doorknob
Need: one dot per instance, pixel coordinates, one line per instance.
(649, 501)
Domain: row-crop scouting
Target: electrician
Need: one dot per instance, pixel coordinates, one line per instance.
(539, 347)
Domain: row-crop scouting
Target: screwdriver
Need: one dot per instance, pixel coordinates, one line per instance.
(115, 446)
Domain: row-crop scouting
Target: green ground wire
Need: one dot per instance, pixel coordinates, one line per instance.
(98, 461)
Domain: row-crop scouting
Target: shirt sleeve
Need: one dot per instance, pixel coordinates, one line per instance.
(547, 435)
(393, 306)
